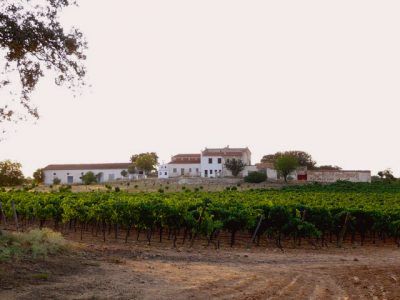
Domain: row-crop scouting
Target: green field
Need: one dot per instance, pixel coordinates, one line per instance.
(320, 214)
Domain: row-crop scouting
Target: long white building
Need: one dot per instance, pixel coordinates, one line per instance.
(209, 163)
(72, 173)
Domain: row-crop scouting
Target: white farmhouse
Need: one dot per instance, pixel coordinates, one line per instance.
(72, 173)
(209, 163)
(187, 165)
(213, 160)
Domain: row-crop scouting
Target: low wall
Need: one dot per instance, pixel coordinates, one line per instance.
(335, 175)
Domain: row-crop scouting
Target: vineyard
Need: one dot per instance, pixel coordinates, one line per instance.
(318, 215)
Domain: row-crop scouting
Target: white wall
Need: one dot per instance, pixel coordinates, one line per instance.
(249, 169)
(76, 174)
(272, 174)
(215, 167)
(188, 170)
(163, 171)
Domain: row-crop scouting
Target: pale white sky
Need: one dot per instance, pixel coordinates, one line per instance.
(177, 76)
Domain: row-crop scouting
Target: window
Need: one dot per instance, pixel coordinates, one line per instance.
(210, 160)
(227, 160)
(67, 173)
(54, 173)
(165, 173)
(205, 173)
(174, 170)
(190, 170)
(210, 172)
(197, 170)
(182, 171)
(160, 173)
(219, 160)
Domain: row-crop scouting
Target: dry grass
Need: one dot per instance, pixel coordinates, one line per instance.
(33, 244)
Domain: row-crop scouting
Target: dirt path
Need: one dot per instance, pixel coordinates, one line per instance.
(140, 272)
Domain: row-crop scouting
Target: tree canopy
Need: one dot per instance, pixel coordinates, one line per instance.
(145, 162)
(286, 164)
(33, 42)
(303, 158)
(89, 178)
(387, 175)
(38, 176)
(10, 173)
(328, 167)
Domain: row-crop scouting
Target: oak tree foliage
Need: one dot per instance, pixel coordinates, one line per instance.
(304, 159)
(286, 164)
(145, 162)
(34, 43)
(38, 176)
(10, 173)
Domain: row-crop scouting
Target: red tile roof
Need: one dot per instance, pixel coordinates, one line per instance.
(185, 162)
(224, 151)
(88, 166)
(187, 155)
(192, 158)
(214, 153)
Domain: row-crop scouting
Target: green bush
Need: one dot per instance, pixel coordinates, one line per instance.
(56, 181)
(65, 188)
(255, 177)
(89, 178)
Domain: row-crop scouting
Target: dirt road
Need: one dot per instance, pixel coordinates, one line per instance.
(119, 271)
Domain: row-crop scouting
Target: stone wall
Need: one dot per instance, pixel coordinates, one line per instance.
(335, 175)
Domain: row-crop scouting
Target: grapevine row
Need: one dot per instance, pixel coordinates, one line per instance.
(319, 217)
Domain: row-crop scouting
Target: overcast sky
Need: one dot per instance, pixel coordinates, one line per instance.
(178, 76)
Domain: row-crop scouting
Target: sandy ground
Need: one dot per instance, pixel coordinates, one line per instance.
(115, 270)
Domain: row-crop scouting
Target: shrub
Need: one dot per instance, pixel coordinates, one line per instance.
(64, 188)
(233, 188)
(255, 177)
(117, 189)
(160, 190)
(89, 178)
(35, 243)
(56, 181)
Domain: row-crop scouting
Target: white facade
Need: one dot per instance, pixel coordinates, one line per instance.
(172, 170)
(73, 174)
(210, 163)
(212, 166)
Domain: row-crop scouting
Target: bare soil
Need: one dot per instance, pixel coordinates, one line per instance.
(115, 270)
